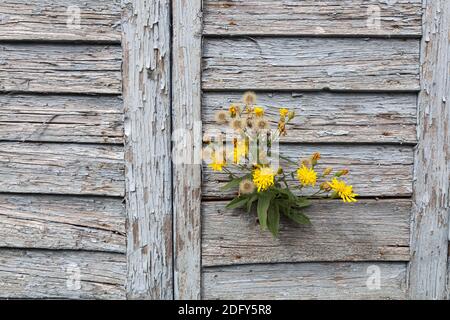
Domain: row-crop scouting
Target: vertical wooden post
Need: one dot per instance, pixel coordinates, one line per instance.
(429, 243)
(147, 100)
(187, 143)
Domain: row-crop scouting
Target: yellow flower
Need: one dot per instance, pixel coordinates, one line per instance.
(246, 187)
(217, 163)
(306, 176)
(216, 166)
(343, 190)
(263, 178)
(241, 149)
(284, 112)
(259, 111)
(327, 171)
(234, 109)
(237, 152)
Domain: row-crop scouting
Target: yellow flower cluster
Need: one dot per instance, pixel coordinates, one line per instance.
(250, 123)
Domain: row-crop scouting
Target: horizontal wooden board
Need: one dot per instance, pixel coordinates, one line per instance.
(35, 274)
(62, 168)
(369, 230)
(331, 117)
(58, 118)
(62, 222)
(62, 20)
(60, 68)
(374, 170)
(306, 281)
(311, 64)
(312, 17)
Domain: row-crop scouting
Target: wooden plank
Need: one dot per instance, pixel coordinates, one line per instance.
(61, 168)
(369, 230)
(62, 20)
(312, 17)
(311, 64)
(332, 117)
(60, 68)
(375, 171)
(306, 281)
(147, 98)
(35, 274)
(429, 243)
(187, 144)
(51, 222)
(57, 118)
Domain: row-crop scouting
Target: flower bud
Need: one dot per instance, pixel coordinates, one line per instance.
(291, 115)
(325, 186)
(342, 173)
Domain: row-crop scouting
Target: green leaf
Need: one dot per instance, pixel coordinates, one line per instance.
(303, 202)
(273, 219)
(252, 199)
(299, 217)
(263, 205)
(238, 202)
(232, 184)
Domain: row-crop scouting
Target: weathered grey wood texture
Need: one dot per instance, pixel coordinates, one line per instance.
(57, 118)
(187, 143)
(375, 170)
(60, 68)
(62, 20)
(147, 100)
(35, 274)
(73, 223)
(312, 17)
(61, 169)
(46, 191)
(311, 64)
(429, 241)
(374, 104)
(367, 231)
(305, 281)
(332, 117)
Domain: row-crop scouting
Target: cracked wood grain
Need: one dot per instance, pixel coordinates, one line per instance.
(62, 222)
(331, 117)
(43, 274)
(429, 241)
(370, 230)
(400, 18)
(305, 281)
(147, 99)
(62, 20)
(186, 111)
(61, 118)
(375, 170)
(280, 63)
(60, 68)
(50, 168)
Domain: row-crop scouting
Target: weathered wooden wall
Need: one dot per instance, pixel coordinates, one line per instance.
(354, 84)
(62, 218)
(72, 149)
